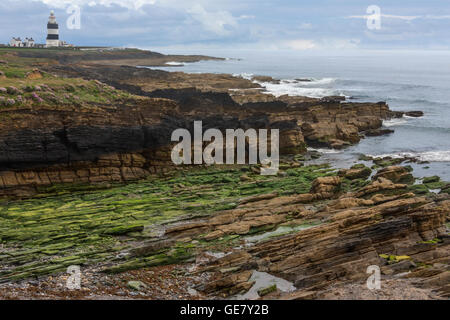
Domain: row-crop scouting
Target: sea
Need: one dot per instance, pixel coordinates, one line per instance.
(406, 80)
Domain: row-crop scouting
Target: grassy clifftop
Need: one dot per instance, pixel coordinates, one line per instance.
(126, 56)
(23, 85)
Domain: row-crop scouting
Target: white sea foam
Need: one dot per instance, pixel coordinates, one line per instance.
(394, 122)
(435, 156)
(244, 75)
(325, 151)
(288, 89)
(315, 82)
(174, 63)
(314, 88)
(431, 156)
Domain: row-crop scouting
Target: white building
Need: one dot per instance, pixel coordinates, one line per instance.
(52, 37)
(52, 31)
(29, 43)
(16, 42)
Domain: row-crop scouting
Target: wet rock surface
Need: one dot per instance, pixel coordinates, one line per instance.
(353, 237)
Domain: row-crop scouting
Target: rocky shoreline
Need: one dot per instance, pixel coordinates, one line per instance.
(86, 179)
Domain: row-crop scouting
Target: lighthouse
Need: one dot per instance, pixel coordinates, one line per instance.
(52, 31)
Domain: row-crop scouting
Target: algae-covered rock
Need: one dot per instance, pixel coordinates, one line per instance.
(136, 285)
(265, 291)
(419, 189)
(431, 179)
(434, 182)
(124, 229)
(358, 171)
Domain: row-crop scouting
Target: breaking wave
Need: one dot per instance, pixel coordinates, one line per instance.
(313, 88)
(246, 76)
(308, 87)
(395, 122)
(325, 151)
(430, 156)
(174, 63)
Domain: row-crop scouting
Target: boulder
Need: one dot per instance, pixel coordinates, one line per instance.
(356, 172)
(33, 75)
(136, 285)
(325, 185)
(378, 132)
(415, 114)
(396, 174)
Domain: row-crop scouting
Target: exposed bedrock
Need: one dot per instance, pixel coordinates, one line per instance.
(380, 224)
(322, 123)
(328, 122)
(67, 138)
(46, 146)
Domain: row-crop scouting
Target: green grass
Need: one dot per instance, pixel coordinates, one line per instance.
(55, 91)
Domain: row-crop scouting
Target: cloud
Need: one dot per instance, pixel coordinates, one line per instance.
(219, 22)
(389, 16)
(305, 26)
(407, 18)
(433, 17)
(130, 4)
(246, 16)
(301, 44)
(259, 24)
(336, 43)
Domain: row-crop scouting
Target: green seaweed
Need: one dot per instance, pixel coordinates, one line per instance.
(91, 224)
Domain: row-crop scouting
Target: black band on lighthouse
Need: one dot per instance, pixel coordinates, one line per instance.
(52, 26)
(52, 37)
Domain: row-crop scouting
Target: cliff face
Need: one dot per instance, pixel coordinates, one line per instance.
(65, 139)
(45, 145)
(326, 122)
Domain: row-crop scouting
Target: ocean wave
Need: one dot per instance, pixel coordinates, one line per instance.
(409, 101)
(175, 64)
(325, 151)
(313, 88)
(395, 122)
(384, 83)
(307, 87)
(280, 90)
(244, 75)
(314, 82)
(430, 156)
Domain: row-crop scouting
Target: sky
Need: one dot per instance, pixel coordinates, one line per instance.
(292, 25)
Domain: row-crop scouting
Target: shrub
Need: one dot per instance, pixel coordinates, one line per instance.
(28, 89)
(13, 90)
(36, 98)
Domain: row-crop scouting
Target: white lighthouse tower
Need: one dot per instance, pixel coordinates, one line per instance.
(52, 31)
